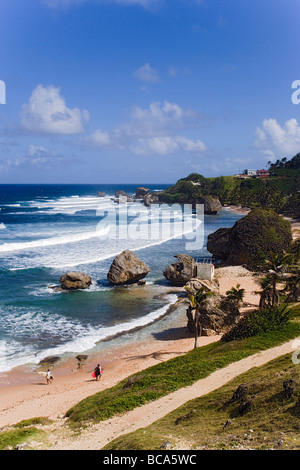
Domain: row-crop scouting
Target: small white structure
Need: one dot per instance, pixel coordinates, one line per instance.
(250, 172)
(203, 268)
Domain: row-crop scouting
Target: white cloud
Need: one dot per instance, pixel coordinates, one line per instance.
(147, 74)
(159, 119)
(167, 145)
(275, 141)
(100, 138)
(35, 150)
(47, 112)
(152, 130)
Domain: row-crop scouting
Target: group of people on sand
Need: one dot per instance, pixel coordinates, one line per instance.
(96, 374)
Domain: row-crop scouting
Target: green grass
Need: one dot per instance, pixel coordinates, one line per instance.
(166, 377)
(22, 432)
(272, 422)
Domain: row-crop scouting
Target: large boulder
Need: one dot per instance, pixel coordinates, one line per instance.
(141, 192)
(122, 197)
(75, 280)
(219, 243)
(251, 240)
(127, 268)
(181, 272)
(151, 198)
(196, 284)
(217, 316)
(212, 205)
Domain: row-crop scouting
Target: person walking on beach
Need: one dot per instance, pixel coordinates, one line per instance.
(98, 372)
(49, 377)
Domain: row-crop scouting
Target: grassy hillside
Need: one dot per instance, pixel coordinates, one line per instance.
(166, 377)
(279, 192)
(254, 411)
(199, 423)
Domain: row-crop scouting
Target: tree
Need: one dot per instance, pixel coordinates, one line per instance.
(293, 287)
(235, 294)
(266, 296)
(278, 264)
(197, 301)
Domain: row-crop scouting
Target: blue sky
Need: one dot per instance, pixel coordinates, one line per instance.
(146, 91)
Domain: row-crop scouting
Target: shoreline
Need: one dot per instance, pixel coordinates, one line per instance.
(32, 397)
(24, 394)
(25, 373)
(165, 339)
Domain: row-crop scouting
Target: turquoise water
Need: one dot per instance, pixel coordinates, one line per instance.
(47, 230)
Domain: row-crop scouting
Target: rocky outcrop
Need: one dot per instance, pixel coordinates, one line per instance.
(151, 198)
(75, 280)
(217, 316)
(219, 243)
(121, 197)
(212, 205)
(101, 194)
(196, 284)
(127, 268)
(181, 272)
(141, 192)
(121, 193)
(251, 239)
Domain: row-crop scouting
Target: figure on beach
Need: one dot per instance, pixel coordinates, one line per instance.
(49, 377)
(97, 372)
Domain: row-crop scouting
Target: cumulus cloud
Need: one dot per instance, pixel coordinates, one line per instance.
(47, 112)
(276, 141)
(152, 130)
(147, 74)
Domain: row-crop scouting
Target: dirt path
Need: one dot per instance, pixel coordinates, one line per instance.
(97, 436)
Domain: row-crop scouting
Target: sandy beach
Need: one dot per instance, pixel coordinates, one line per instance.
(26, 395)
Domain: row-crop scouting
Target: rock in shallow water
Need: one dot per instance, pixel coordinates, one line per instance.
(181, 272)
(75, 280)
(127, 268)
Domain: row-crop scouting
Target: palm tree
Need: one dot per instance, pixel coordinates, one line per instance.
(235, 294)
(266, 296)
(293, 286)
(197, 301)
(277, 264)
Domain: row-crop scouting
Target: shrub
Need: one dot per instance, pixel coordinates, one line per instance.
(259, 321)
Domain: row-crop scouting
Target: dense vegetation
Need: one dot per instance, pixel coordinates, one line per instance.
(279, 192)
(263, 320)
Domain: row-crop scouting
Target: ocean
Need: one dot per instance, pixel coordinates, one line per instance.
(48, 230)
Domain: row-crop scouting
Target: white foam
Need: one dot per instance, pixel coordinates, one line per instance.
(69, 205)
(65, 239)
(84, 339)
